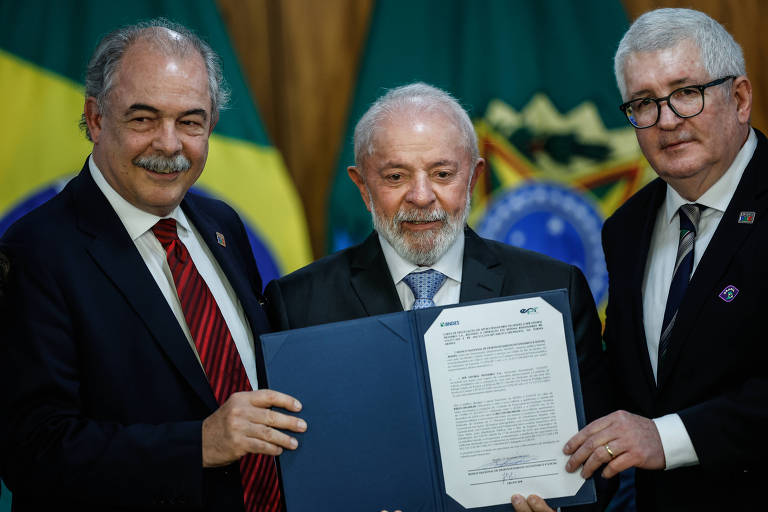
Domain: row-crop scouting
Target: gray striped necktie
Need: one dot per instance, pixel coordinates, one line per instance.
(689, 214)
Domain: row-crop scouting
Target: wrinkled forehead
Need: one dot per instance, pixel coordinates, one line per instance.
(680, 63)
(404, 122)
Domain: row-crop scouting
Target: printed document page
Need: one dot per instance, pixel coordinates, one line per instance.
(503, 400)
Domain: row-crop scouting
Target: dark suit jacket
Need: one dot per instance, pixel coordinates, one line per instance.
(103, 399)
(714, 375)
(356, 282)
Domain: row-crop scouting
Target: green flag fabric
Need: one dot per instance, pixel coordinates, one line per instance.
(44, 50)
(537, 80)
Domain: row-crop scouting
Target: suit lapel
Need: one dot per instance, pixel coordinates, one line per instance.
(371, 279)
(115, 253)
(482, 274)
(219, 239)
(750, 196)
(636, 266)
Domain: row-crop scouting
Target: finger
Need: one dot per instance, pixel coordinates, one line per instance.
(271, 436)
(276, 419)
(582, 435)
(617, 465)
(258, 445)
(520, 504)
(593, 444)
(538, 504)
(596, 459)
(270, 398)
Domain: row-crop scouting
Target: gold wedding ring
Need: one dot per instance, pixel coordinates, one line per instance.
(608, 449)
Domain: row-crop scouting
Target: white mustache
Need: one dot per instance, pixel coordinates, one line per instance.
(420, 216)
(163, 164)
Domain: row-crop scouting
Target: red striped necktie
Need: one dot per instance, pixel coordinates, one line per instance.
(220, 360)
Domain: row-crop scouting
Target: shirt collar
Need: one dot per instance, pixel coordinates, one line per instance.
(719, 195)
(136, 221)
(449, 263)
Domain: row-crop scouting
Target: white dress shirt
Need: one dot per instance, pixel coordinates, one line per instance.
(678, 449)
(449, 264)
(138, 224)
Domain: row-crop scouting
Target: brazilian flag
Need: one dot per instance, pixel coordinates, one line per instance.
(537, 79)
(44, 50)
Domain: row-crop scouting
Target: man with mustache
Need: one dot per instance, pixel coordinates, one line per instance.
(130, 373)
(688, 292)
(416, 163)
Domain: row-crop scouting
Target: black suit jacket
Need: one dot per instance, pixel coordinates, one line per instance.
(714, 375)
(356, 282)
(103, 399)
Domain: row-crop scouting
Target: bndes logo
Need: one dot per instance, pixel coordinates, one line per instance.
(448, 324)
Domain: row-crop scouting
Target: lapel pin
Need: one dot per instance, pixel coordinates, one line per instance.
(729, 293)
(220, 239)
(746, 217)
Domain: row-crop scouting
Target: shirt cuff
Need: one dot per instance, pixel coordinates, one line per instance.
(675, 441)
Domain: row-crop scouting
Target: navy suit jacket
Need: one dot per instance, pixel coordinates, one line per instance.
(103, 399)
(356, 282)
(715, 373)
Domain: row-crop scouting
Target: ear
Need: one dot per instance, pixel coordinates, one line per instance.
(356, 176)
(214, 120)
(742, 93)
(479, 169)
(92, 118)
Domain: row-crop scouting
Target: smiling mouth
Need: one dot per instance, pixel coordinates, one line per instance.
(162, 171)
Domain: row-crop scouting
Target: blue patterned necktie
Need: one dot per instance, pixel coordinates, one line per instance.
(689, 222)
(424, 286)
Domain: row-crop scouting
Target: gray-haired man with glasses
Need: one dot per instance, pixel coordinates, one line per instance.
(688, 295)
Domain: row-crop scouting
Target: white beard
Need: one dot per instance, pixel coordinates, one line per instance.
(421, 248)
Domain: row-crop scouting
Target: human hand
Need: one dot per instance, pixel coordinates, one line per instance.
(532, 504)
(246, 424)
(621, 439)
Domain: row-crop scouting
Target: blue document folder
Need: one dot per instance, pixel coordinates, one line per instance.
(372, 442)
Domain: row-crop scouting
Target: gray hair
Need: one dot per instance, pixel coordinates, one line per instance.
(664, 28)
(416, 97)
(99, 77)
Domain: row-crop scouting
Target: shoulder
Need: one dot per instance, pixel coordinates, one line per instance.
(639, 204)
(325, 271)
(514, 259)
(49, 223)
(214, 208)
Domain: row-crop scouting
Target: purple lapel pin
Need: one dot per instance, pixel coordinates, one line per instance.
(220, 239)
(729, 293)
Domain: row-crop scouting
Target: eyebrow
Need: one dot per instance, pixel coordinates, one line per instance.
(394, 164)
(644, 93)
(141, 106)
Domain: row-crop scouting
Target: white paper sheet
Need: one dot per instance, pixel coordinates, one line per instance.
(503, 399)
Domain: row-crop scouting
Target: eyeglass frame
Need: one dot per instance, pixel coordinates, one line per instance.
(623, 107)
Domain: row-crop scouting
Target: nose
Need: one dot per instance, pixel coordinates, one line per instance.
(420, 192)
(167, 139)
(668, 120)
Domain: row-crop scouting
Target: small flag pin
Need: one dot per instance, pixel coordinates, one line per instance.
(220, 239)
(729, 293)
(746, 217)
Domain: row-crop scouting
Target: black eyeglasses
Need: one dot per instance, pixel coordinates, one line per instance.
(685, 102)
